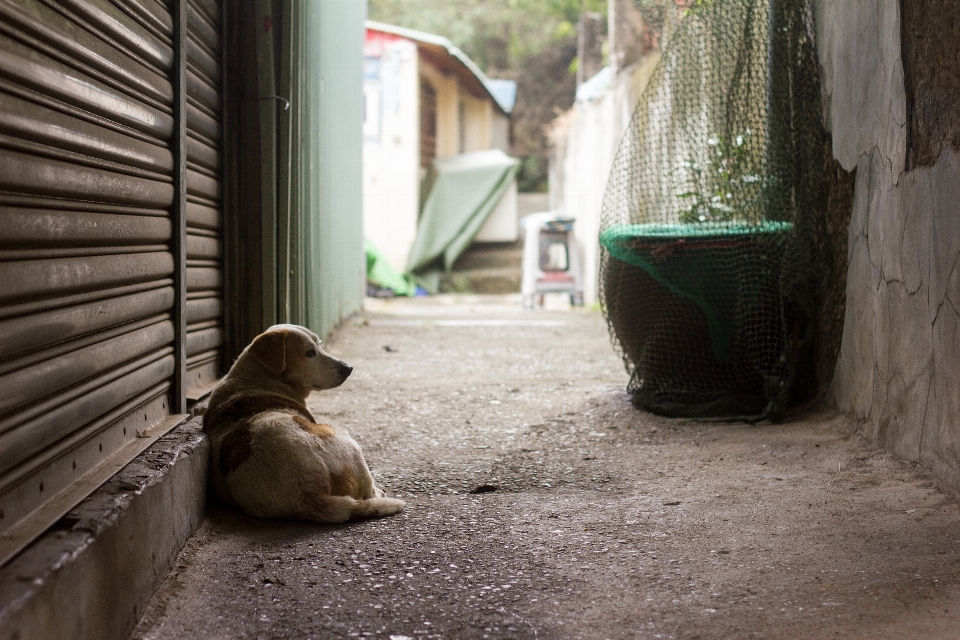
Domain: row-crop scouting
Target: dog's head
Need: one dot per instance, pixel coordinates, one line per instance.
(293, 353)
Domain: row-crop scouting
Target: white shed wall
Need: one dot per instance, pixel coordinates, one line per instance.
(391, 157)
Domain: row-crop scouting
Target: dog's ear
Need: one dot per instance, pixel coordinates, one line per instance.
(270, 351)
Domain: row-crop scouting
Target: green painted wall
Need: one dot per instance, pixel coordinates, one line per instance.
(319, 215)
(333, 65)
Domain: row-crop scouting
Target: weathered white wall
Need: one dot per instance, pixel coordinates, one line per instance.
(448, 109)
(502, 225)
(858, 44)
(899, 363)
(499, 131)
(391, 155)
(477, 114)
(585, 145)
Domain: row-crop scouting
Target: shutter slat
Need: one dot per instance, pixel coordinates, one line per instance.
(36, 71)
(53, 34)
(121, 31)
(44, 278)
(27, 120)
(32, 175)
(29, 384)
(89, 401)
(201, 309)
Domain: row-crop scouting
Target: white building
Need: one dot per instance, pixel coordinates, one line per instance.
(424, 99)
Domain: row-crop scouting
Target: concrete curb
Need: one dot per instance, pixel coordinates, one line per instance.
(92, 575)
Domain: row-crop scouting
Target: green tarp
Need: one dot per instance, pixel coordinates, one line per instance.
(463, 190)
(380, 273)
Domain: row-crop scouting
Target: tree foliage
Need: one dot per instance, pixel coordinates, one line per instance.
(532, 42)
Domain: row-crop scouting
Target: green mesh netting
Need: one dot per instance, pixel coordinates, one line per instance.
(709, 273)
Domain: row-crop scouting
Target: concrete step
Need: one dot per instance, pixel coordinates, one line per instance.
(488, 281)
(489, 267)
(491, 255)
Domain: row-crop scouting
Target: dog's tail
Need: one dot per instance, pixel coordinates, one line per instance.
(336, 509)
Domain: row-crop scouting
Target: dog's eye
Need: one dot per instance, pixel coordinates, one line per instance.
(312, 353)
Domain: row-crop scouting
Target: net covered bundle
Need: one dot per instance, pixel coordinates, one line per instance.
(709, 270)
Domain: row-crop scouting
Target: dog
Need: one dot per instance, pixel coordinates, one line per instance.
(269, 457)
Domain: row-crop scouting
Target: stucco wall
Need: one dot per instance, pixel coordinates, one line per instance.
(588, 150)
(476, 125)
(499, 131)
(448, 109)
(900, 352)
(585, 143)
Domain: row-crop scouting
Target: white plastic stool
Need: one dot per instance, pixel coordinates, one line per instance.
(551, 259)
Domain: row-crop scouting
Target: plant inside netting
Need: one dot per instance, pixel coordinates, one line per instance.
(709, 277)
(726, 188)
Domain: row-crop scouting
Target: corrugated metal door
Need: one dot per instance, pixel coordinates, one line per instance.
(204, 247)
(94, 251)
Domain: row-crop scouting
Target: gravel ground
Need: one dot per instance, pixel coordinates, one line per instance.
(542, 505)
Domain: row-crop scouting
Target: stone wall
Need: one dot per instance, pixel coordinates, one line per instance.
(891, 107)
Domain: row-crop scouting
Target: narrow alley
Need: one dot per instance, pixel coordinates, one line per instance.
(541, 504)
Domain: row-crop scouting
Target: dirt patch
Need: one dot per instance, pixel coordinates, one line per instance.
(595, 520)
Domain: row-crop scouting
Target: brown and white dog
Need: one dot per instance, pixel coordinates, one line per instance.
(268, 455)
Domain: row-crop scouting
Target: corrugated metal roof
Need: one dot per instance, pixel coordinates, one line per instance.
(436, 48)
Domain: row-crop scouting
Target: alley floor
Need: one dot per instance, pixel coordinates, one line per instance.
(541, 504)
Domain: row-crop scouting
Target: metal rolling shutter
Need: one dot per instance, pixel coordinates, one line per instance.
(92, 256)
(204, 307)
